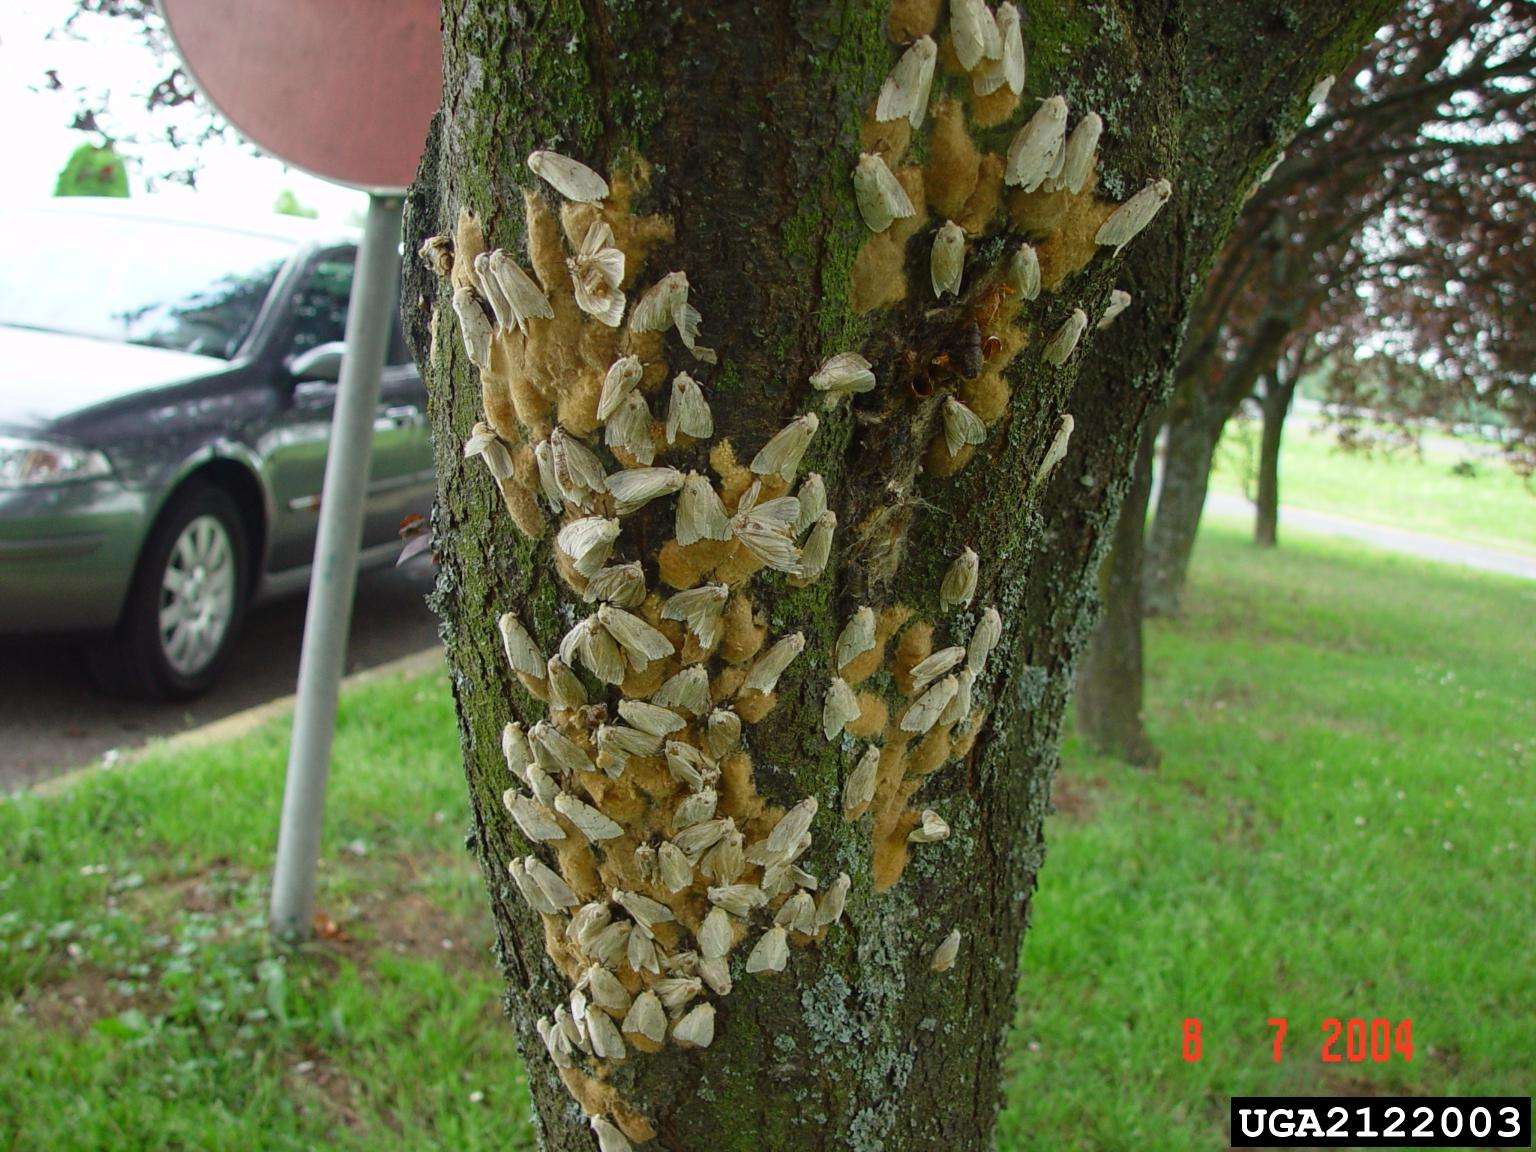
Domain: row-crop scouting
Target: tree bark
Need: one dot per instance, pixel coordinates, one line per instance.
(728, 133)
(1276, 405)
(1109, 676)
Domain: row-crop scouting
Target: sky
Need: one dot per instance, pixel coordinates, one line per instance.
(36, 139)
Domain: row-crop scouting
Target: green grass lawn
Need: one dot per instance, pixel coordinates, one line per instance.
(1343, 826)
(1493, 506)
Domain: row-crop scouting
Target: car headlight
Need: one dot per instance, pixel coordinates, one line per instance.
(33, 463)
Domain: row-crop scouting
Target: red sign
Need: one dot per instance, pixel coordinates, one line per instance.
(343, 89)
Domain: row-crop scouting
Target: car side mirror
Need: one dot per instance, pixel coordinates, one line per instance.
(322, 362)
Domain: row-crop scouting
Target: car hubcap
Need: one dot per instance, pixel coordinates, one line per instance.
(197, 596)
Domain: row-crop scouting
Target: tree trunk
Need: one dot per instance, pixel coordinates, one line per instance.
(1188, 453)
(1109, 676)
(1276, 406)
(727, 134)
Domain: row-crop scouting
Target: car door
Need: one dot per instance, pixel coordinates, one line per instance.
(400, 475)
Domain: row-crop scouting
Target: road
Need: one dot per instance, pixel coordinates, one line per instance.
(1435, 548)
(52, 719)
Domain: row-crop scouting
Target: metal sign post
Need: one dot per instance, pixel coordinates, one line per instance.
(328, 615)
(344, 90)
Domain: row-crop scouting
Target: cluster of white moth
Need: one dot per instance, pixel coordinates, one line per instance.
(643, 977)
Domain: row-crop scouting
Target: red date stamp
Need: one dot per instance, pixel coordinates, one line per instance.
(1355, 1040)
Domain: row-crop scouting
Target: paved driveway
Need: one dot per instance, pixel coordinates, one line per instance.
(51, 719)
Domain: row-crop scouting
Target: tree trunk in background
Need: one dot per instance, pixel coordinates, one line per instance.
(728, 133)
(1109, 675)
(1188, 453)
(1276, 405)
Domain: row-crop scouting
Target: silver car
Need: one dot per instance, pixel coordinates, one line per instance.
(166, 389)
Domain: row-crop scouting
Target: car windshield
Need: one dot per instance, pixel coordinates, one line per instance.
(188, 287)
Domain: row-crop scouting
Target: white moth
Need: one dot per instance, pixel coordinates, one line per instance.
(791, 827)
(1058, 449)
(588, 542)
(611, 945)
(629, 429)
(596, 272)
(675, 992)
(634, 488)
(1077, 157)
(829, 910)
(501, 308)
(845, 374)
(645, 863)
(930, 830)
(556, 1043)
(818, 547)
(946, 260)
(532, 894)
(608, 993)
(651, 718)
(559, 752)
(974, 31)
(640, 952)
(701, 610)
(543, 784)
(1134, 215)
(905, 91)
(603, 1033)
(646, 912)
(688, 411)
(1024, 269)
(724, 862)
(945, 954)
(856, 638)
(1009, 67)
(696, 839)
(859, 788)
(1062, 344)
(697, 1029)
(880, 196)
(715, 935)
(960, 706)
(723, 732)
(766, 671)
(700, 514)
(1119, 301)
(939, 664)
(688, 765)
(1320, 91)
(717, 974)
(959, 583)
(565, 690)
(961, 426)
(737, 899)
(675, 869)
(550, 882)
(571, 178)
(588, 820)
(770, 953)
(522, 653)
(586, 922)
(474, 326)
(514, 746)
(641, 642)
(695, 809)
(925, 710)
(524, 299)
(537, 822)
(609, 1137)
(988, 631)
(619, 381)
(840, 707)
(657, 309)
(620, 741)
(797, 914)
(783, 453)
(686, 691)
(813, 501)
(544, 456)
(646, 1018)
(767, 530)
(578, 471)
(484, 443)
(1032, 154)
(621, 584)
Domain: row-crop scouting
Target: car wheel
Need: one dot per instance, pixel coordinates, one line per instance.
(185, 605)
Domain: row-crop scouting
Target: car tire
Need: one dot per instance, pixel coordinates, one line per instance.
(185, 604)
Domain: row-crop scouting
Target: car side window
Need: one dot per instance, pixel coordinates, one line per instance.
(320, 304)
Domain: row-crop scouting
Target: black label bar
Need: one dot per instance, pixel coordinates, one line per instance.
(1381, 1122)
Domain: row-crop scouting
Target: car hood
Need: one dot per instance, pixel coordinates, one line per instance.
(48, 375)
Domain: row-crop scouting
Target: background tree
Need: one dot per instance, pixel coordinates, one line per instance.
(93, 170)
(723, 139)
(1425, 131)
